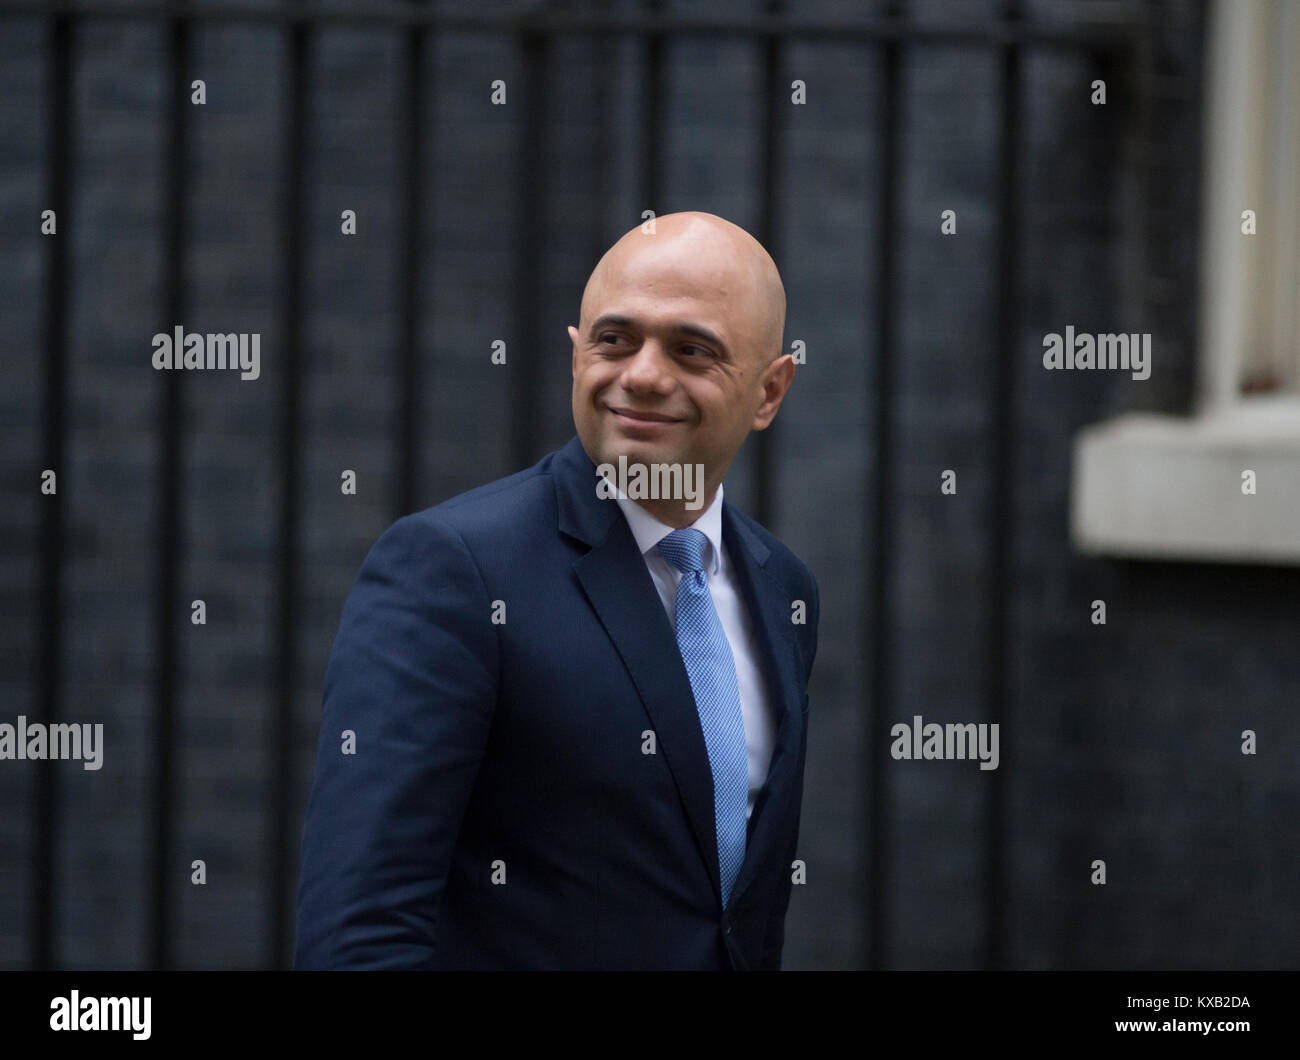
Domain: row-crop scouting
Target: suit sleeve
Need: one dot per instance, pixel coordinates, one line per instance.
(774, 939)
(413, 676)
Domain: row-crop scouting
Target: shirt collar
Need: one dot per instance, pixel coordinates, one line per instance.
(649, 531)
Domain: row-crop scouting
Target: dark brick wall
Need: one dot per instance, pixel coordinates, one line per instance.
(1119, 742)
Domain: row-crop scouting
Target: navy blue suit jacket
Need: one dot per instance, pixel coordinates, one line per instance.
(513, 751)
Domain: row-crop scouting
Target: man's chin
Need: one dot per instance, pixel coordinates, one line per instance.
(640, 453)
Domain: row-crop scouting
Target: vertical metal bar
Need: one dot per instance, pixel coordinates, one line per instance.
(1002, 523)
(295, 198)
(410, 234)
(169, 533)
(49, 649)
(530, 210)
(654, 114)
(604, 169)
(880, 516)
(770, 197)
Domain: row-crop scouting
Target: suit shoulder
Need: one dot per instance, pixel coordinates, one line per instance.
(780, 552)
(793, 575)
(496, 511)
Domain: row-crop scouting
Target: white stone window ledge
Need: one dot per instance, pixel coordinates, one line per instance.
(1148, 486)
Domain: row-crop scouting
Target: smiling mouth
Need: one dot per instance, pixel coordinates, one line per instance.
(642, 417)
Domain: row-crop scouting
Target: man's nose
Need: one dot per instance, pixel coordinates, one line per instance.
(650, 368)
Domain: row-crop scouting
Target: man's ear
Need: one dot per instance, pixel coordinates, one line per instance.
(573, 337)
(777, 378)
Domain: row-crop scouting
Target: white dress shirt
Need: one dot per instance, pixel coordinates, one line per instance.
(729, 602)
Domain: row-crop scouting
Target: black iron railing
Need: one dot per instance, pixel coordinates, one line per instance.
(1110, 31)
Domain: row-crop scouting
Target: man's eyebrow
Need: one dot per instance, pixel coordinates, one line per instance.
(681, 327)
(611, 320)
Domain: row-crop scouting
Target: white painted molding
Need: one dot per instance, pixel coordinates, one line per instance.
(1250, 284)
(1166, 487)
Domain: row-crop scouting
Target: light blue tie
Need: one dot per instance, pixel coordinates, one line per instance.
(712, 672)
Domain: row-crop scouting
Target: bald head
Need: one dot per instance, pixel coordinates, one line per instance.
(705, 251)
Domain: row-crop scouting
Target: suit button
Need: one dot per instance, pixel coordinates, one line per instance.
(726, 925)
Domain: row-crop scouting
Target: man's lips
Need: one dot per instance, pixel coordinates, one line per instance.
(637, 416)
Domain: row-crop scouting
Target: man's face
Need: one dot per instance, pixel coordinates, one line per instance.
(669, 363)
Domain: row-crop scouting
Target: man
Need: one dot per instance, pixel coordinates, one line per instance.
(564, 724)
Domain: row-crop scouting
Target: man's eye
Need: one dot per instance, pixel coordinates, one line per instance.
(608, 339)
(699, 350)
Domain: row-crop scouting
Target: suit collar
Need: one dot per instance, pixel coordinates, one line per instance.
(649, 531)
(582, 515)
(587, 518)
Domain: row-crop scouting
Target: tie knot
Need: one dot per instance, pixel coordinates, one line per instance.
(684, 549)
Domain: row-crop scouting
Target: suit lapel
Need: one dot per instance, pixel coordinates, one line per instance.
(769, 606)
(614, 577)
